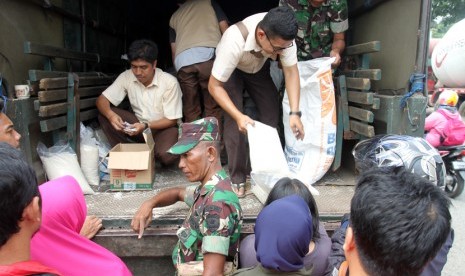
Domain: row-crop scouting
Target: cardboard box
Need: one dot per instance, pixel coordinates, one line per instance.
(132, 165)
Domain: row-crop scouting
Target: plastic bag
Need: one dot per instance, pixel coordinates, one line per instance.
(311, 158)
(103, 150)
(60, 160)
(89, 156)
(267, 159)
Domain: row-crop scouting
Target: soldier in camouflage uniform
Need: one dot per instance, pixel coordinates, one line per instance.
(212, 228)
(322, 24)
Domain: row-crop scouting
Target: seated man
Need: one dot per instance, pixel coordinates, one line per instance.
(155, 98)
(398, 223)
(21, 214)
(210, 233)
(9, 135)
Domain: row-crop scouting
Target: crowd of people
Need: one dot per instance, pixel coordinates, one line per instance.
(399, 222)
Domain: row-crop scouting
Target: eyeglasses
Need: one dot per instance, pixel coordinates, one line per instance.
(275, 48)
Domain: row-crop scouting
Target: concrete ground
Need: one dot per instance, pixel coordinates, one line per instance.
(455, 264)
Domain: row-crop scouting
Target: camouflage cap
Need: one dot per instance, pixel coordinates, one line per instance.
(190, 134)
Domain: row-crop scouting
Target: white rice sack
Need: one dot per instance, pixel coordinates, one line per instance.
(89, 163)
(60, 160)
(311, 158)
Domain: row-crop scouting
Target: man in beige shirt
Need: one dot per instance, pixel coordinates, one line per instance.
(195, 30)
(242, 62)
(155, 98)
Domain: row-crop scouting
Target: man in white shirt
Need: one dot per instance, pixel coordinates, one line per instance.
(155, 98)
(242, 62)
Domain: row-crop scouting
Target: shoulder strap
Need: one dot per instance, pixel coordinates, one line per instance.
(242, 29)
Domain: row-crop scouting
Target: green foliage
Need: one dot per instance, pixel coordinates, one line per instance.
(444, 14)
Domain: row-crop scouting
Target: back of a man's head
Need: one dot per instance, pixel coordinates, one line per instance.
(18, 187)
(399, 221)
(280, 22)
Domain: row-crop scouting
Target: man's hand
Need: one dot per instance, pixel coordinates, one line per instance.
(116, 122)
(243, 121)
(142, 218)
(297, 127)
(337, 61)
(134, 129)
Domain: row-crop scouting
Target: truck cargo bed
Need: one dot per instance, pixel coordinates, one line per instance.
(153, 251)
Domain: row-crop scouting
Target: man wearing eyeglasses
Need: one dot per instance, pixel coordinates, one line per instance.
(243, 62)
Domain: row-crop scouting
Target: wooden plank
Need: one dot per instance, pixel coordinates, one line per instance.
(60, 94)
(93, 81)
(358, 83)
(361, 114)
(52, 51)
(59, 122)
(376, 103)
(62, 108)
(372, 74)
(36, 75)
(364, 48)
(53, 83)
(362, 128)
(36, 105)
(359, 97)
(344, 104)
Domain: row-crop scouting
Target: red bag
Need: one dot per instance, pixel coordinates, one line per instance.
(454, 131)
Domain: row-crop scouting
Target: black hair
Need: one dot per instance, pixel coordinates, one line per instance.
(399, 220)
(280, 22)
(286, 187)
(143, 49)
(18, 187)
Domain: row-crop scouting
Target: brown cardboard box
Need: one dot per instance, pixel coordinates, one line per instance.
(132, 165)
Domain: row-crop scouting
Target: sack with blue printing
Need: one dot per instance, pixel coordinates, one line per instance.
(309, 159)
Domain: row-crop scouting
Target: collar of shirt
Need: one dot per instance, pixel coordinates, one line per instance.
(155, 80)
(205, 189)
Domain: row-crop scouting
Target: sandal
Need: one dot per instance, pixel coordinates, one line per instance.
(239, 189)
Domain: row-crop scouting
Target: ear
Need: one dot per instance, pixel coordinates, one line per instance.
(32, 212)
(260, 33)
(349, 242)
(212, 153)
(154, 65)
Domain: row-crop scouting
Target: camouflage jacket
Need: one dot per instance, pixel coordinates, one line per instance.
(317, 26)
(213, 224)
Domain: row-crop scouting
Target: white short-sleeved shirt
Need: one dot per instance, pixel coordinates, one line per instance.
(233, 52)
(162, 98)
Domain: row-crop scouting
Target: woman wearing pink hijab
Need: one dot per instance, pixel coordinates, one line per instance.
(58, 243)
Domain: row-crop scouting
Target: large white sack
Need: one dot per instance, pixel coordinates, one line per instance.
(89, 155)
(309, 159)
(60, 160)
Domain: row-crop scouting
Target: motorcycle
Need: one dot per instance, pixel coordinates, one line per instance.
(454, 161)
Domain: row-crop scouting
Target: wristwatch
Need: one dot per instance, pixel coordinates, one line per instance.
(146, 125)
(298, 113)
